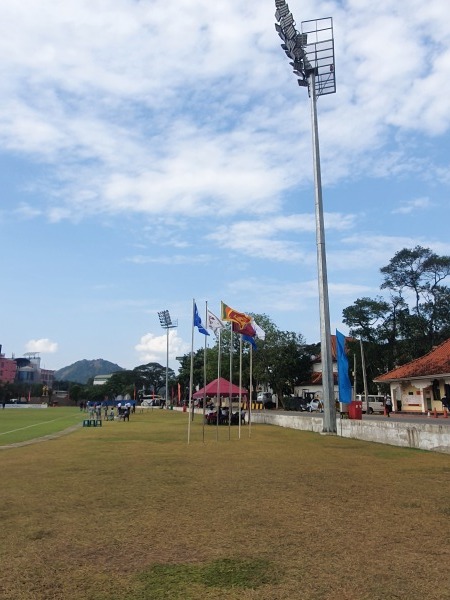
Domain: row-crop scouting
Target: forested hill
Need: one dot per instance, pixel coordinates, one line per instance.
(83, 370)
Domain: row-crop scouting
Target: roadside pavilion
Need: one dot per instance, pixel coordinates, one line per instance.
(419, 386)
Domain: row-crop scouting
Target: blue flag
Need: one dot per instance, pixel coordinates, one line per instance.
(198, 321)
(344, 383)
(250, 340)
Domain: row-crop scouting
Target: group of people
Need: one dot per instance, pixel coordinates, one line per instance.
(223, 416)
(124, 410)
(95, 410)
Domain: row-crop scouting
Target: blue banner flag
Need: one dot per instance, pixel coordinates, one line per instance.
(249, 339)
(198, 321)
(344, 383)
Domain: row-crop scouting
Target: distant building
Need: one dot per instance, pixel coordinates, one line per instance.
(101, 379)
(29, 370)
(26, 369)
(8, 368)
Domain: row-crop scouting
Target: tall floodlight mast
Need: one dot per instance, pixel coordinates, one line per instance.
(166, 323)
(312, 56)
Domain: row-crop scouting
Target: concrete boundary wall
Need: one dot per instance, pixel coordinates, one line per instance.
(422, 436)
(14, 405)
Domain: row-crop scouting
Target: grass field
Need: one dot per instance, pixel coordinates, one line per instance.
(23, 424)
(130, 511)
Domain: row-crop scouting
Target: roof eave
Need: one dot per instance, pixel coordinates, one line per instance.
(411, 377)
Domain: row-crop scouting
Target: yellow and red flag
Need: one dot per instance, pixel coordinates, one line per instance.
(229, 314)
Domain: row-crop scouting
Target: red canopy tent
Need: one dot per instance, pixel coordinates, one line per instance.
(220, 386)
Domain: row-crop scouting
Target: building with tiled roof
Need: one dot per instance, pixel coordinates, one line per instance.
(314, 384)
(419, 386)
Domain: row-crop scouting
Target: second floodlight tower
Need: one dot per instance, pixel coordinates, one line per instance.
(166, 323)
(311, 52)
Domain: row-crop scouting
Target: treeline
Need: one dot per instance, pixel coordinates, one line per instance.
(410, 318)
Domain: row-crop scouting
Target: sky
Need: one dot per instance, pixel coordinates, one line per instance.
(156, 152)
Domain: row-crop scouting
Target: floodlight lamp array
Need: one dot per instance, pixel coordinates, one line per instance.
(164, 318)
(293, 41)
(311, 51)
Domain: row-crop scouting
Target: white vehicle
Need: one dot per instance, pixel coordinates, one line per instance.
(265, 398)
(151, 400)
(315, 406)
(376, 403)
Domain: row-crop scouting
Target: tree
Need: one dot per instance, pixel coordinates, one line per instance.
(280, 361)
(420, 272)
(152, 377)
(184, 372)
(76, 391)
(406, 325)
(123, 383)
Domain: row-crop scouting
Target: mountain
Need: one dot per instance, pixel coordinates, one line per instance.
(83, 370)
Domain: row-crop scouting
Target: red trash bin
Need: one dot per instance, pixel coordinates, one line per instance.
(355, 410)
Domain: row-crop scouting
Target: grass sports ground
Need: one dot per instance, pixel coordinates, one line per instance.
(130, 511)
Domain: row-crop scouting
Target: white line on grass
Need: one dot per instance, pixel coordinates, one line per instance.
(34, 425)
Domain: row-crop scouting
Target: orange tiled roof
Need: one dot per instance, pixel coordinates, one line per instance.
(316, 379)
(333, 346)
(436, 362)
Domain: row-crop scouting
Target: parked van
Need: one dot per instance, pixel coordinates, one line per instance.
(376, 403)
(151, 400)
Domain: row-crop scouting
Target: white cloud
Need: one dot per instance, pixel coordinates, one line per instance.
(408, 206)
(153, 348)
(42, 345)
(28, 212)
(134, 130)
(178, 259)
(259, 238)
(206, 123)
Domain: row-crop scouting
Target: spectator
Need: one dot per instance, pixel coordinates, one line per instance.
(388, 406)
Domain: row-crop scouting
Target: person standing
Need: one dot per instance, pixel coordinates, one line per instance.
(388, 405)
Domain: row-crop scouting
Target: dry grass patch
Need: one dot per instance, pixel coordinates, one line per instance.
(130, 511)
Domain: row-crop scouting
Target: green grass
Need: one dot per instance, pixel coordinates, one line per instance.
(192, 581)
(23, 424)
(130, 511)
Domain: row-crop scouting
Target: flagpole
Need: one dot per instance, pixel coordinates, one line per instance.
(250, 393)
(240, 387)
(204, 375)
(364, 374)
(191, 374)
(219, 404)
(230, 407)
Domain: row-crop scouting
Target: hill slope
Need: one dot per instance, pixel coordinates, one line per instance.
(83, 370)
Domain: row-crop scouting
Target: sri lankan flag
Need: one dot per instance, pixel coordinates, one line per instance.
(229, 314)
(248, 329)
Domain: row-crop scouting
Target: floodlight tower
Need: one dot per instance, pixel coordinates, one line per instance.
(167, 323)
(312, 56)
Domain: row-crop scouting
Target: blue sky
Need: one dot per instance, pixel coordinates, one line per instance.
(153, 152)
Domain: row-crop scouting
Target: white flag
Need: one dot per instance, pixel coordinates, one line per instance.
(261, 334)
(213, 322)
